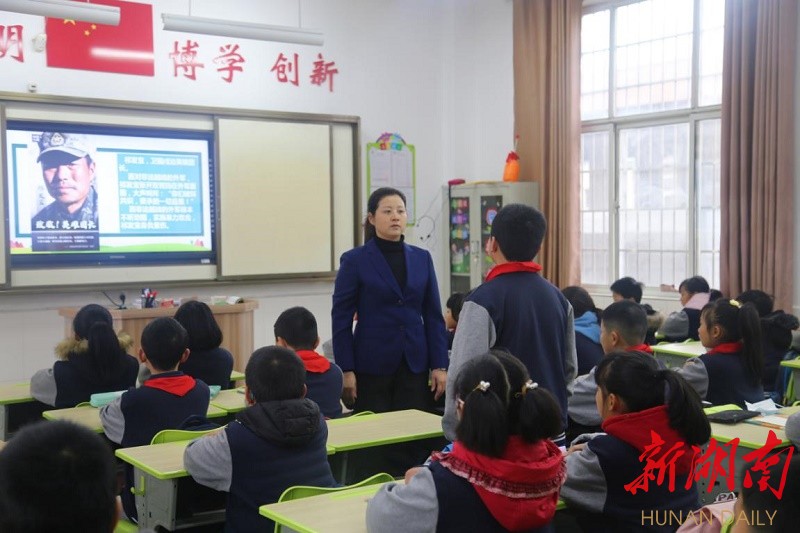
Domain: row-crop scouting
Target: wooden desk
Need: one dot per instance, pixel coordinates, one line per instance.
(675, 354)
(235, 321)
(794, 366)
(90, 416)
(751, 437)
(17, 407)
(342, 511)
(367, 431)
(230, 401)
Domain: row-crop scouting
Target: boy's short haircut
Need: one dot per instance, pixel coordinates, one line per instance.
(628, 319)
(298, 327)
(275, 373)
(519, 230)
(764, 302)
(628, 287)
(57, 476)
(164, 341)
(694, 285)
(455, 303)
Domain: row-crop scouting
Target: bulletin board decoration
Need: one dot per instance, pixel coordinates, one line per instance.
(391, 162)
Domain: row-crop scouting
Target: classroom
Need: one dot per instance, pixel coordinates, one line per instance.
(441, 76)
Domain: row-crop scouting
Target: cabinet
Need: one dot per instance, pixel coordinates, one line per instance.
(471, 209)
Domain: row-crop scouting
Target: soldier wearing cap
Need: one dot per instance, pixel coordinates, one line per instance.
(68, 171)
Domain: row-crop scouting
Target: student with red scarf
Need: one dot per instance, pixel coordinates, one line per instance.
(296, 329)
(730, 371)
(504, 472)
(517, 309)
(640, 405)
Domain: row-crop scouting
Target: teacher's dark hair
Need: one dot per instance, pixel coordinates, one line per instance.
(372, 206)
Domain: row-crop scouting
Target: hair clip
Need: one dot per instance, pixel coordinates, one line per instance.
(736, 303)
(483, 386)
(530, 385)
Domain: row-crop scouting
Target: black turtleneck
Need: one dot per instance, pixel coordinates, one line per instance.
(395, 255)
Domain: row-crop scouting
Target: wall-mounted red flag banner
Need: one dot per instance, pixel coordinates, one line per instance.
(126, 49)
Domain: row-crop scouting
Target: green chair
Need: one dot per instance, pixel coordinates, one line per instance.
(362, 413)
(174, 435)
(302, 491)
(84, 404)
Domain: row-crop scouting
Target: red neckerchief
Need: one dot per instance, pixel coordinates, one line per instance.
(520, 488)
(727, 347)
(512, 266)
(637, 430)
(313, 361)
(640, 348)
(179, 384)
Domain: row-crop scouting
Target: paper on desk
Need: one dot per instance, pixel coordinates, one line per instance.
(765, 407)
(772, 420)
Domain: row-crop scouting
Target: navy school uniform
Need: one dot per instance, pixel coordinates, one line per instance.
(720, 377)
(213, 366)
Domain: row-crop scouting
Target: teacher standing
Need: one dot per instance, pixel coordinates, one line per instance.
(400, 338)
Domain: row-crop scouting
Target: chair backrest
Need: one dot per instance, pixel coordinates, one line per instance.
(174, 435)
(301, 491)
(362, 413)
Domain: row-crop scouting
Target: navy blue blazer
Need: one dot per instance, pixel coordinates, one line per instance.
(394, 323)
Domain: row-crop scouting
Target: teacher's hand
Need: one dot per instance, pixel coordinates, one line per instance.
(438, 382)
(349, 388)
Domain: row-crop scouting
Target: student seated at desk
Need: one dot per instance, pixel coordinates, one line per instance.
(57, 476)
(164, 401)
(587, 328)
(504, 472)
(623, 327)
(634, 398)
(278, 441)
(94, 360)
(296, 329)
(730, 371)
(207, 360)
(628, 288)
(681, 325)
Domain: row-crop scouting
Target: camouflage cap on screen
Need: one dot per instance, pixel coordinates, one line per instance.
(68, 143)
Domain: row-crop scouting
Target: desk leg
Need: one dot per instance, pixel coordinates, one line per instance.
(156, 500)
(4, 422)
(343, 475)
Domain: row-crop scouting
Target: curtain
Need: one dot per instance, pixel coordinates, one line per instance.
(547, 120)
(757, 185)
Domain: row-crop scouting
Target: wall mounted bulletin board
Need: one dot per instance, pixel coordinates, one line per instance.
(284, 190)
(392, 163)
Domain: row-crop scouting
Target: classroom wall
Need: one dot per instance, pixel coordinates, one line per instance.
(436, 71)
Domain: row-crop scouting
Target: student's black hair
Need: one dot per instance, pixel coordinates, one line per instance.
(372, 206)
(94, 324)
(484, 426)
(714, 295)
(580, 300)
(519, 230)
(275, 373)
(628, 288)
(57, 476)
(455, 303)
(298, 327)
(200, 324)
(636, 378)
(739, 322)
(533, 413)
(694, 285)
(758, 501)
(164, 340)
(628, 319)
(762, 301)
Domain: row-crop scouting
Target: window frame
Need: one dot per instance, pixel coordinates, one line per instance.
(691, 115)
